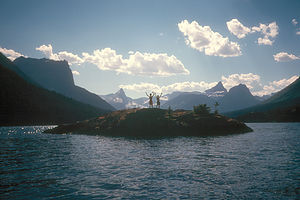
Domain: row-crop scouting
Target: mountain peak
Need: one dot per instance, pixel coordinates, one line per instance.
(240, 88)
(121, 92)
(217, 90)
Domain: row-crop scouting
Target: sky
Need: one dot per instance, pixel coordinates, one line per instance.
(162, 46)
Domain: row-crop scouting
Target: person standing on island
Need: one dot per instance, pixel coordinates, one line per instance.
(150, 99)
(158, 101)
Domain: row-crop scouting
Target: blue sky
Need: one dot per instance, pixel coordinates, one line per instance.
(140, 46)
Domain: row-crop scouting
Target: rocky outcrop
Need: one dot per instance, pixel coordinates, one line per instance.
(155, 123)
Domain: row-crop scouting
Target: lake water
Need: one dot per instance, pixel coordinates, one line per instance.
(264, 164)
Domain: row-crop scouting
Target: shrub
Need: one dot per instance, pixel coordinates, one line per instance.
(202, 109)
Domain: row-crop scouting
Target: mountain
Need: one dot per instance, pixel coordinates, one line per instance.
(119, 100)
(57, 76)
(10, 65)
(283, 106)
(216, 91)
(238, 97)
(187, 100)
(142, 102)
(288, 94)
(23, 103)
(175, 94)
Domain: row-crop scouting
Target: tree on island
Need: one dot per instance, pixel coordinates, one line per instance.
(216, 107)
(202, 109)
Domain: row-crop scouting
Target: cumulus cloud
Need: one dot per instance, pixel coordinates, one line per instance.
(275, 86)
(105, 59)
(75, 72)
(11, 54)
(237, 28)
(268, 31)
(63, 55)
(148, 64)
(205, 40)
(250, 80)
(285, 57)
(181, 86)
(142, 87)
(294, 22)
(137, 64)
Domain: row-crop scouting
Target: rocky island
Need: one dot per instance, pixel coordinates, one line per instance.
(155, 123)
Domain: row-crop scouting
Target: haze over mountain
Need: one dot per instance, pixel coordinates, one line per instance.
(283, 106)
(57, 76)
(187, 100)
(23, 103)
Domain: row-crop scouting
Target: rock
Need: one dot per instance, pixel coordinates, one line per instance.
(150, 123)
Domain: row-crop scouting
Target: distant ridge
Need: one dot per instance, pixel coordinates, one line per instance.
(57, 76)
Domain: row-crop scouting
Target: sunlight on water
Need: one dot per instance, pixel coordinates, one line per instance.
(262, 164)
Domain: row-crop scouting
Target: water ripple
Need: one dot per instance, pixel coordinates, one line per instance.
(264, 164)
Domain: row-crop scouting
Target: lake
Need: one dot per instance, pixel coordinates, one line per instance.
(264, 164)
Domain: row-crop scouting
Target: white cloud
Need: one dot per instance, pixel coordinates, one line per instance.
(298, 32)
(268, 31)
(188, 86)
(47, 50)
(237, 28)
(63, 55)
(275, 86)
(11, 54)
(149, 64)
(284, 57)
(71, 58)
(265, 41)
(252, 81)
(204, 39)
(105, 59)
(142, 87)
(294, 22)
(181, 86)
(75, 72)
(137, 64)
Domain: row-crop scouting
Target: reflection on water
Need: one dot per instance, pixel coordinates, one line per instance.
(262, 164)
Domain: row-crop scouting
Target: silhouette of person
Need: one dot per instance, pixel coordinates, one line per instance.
(158, 101)
(150, 99)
